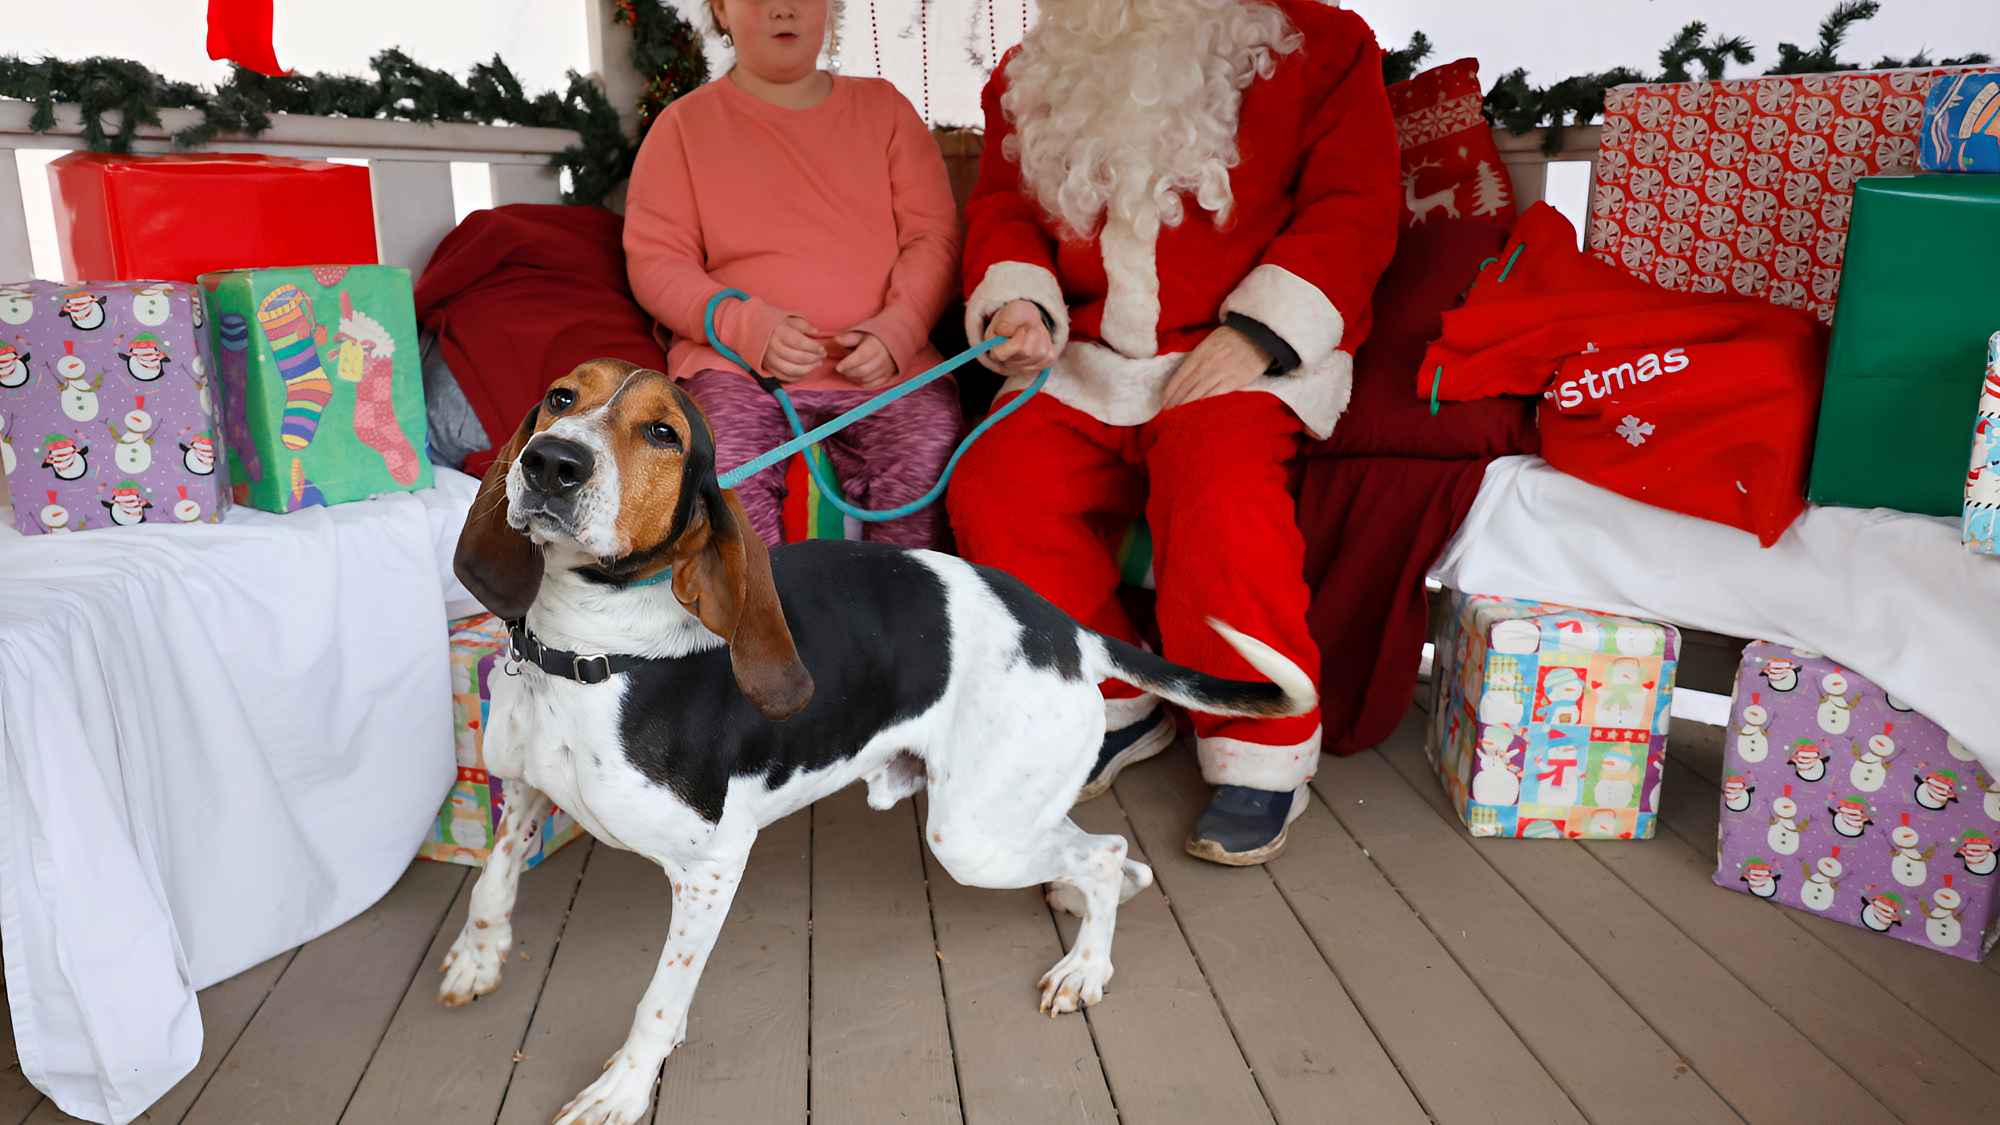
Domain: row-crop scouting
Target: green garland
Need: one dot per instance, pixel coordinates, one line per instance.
(663, 45)
(1513, 103)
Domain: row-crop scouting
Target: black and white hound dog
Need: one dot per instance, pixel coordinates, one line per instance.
(676, 688)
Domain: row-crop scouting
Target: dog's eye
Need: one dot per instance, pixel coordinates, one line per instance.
(561, 398)
(662, 435)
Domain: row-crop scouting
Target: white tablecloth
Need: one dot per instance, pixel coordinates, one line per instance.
(219, 742)
(1896, 597)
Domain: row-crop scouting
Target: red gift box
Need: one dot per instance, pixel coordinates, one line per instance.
(1744, 185)
(174, 218)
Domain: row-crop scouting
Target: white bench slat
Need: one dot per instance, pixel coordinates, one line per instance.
(413, 210)
(17, 263)
(524, 183)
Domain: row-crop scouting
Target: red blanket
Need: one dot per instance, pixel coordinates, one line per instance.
(518, 295)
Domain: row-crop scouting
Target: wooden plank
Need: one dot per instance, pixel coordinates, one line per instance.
(17, 260)
(18, 1096)
(1453, 1048)
(446, 1064)
(226, 1009)
(413, 210)
(1732, 1039)
(1300, 1032)
(524, 183)
(881, 1043)
(1167, 1049)
(745, 1055)
(1014, 1063)
(1952, 994)
(1897, 1055)
(603, 962)
(1613, 1065)
(307, 1046)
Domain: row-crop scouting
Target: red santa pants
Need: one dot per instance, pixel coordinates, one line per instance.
(1047, 494)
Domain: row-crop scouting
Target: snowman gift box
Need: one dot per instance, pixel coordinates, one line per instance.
(107, 416)
(1839, 799)
(321, 376)
(1551, 722)
(470, 819)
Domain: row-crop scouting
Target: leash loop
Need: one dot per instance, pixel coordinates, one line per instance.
(803, 438)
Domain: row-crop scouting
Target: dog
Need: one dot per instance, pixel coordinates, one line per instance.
(676, 687)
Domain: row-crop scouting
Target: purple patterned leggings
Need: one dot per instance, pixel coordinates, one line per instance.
(883, 460)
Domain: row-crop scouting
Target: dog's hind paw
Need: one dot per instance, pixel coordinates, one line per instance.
(1075, 982)
(620, 1096)
(472, 968)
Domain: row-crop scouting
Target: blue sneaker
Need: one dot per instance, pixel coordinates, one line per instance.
(1125, 746)
(1244, 827)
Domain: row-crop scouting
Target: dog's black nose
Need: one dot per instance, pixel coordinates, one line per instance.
(556, 468)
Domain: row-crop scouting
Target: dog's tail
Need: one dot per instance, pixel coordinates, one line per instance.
(1285, 689)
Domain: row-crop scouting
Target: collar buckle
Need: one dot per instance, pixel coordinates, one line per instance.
(598, 665)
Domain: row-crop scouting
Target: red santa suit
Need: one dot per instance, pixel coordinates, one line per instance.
(1047, 494)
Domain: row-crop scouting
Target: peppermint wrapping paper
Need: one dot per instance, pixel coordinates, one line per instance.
(1745, 185)
(107, 409)
(1551, 722)
(1840, 800)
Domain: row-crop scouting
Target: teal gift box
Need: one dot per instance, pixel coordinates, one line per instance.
(1962, 124)
(1917, 303)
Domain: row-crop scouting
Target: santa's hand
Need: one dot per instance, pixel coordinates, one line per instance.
(868, 361)
(1028, 349)
(794, 351)
(1223, 362)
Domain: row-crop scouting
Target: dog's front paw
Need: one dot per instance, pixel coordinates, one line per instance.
(1075, 981)
(472, 968)
(620, 1096)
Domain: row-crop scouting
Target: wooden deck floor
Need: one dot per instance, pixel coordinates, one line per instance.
(1386, 969)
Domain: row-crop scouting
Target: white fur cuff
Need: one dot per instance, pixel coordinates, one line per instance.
(1016, 281)
(1292, 307)
(1280, 769)
(1121, 713)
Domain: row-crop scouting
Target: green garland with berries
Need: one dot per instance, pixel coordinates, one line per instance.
(668, 51)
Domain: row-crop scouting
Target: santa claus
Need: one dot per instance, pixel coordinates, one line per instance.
(1183, 207)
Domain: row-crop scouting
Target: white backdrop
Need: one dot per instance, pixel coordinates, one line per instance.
(935, 52)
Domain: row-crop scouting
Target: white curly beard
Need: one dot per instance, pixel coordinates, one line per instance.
(1123, 105)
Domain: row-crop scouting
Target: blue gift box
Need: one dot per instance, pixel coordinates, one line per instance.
(1962, 124)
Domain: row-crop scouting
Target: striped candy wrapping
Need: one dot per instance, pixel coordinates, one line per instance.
(287, 319)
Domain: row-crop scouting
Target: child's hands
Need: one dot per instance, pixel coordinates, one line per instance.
(868, 361)
(795, 350)
(1028, 348)
(1224, 361)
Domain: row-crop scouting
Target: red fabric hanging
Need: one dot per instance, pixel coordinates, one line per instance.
(240, 31)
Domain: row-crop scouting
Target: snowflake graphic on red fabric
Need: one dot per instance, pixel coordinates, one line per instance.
(1634, 431)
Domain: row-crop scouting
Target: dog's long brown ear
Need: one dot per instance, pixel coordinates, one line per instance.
(498, 564)
(726, 583)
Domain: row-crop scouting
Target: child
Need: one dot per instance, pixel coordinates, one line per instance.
(826, 199)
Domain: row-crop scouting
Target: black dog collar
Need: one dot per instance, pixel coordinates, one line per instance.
(584, 668)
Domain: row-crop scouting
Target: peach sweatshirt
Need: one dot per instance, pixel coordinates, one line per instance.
(840, 213)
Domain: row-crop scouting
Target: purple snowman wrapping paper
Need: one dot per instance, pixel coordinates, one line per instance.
(1839, 799)
(107, 416)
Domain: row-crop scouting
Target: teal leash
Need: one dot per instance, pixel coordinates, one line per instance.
(803, 438)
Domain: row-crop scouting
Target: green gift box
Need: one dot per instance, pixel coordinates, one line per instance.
(323, 394)
(1918, 299)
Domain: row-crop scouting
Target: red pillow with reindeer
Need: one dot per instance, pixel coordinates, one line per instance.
(1451, 168)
